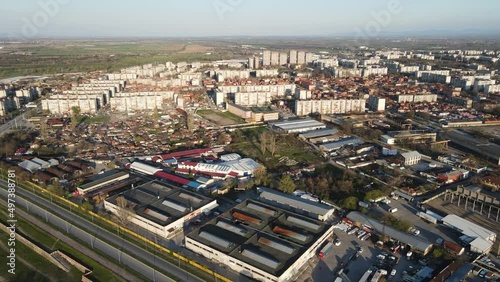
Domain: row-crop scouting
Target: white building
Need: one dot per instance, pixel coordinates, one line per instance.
(411, 158)
(340, 106)
(270, 245)
(376, 103)
(160, 208)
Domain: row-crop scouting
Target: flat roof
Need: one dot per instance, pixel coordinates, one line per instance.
(414, 241)
(318, 133)
(490, 150)
(468, 228)
(295, 202)
(162, 203)
(105, 178)
(342, 143)
(261, 235)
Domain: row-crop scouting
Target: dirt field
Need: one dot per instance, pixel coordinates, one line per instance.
(221, 118)
(195, 48)
(449, 208)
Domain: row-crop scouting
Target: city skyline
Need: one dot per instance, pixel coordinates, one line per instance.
(196, 18)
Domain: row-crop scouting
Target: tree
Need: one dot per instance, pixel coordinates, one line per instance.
(286, 184)
(124, 212)
(346, 127)
(374, 195)
(437, 253)
(272, 144)
(87, 206)
(57, 189)
(260, 174)
(76, 111)
(350, 203)
(263, 139)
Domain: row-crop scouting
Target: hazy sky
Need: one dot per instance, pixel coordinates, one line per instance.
(174, 18)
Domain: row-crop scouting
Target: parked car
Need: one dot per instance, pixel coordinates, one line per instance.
(337, 242)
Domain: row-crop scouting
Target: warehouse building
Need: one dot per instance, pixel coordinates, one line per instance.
(260, 241)
(333, 146)
(160, 208)
(311, 209)
(297, 125)
(487, 150)
(101, 182)
(317, 133)
(481, 239)
(416, 243)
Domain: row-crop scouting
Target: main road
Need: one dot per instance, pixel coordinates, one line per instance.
(98, 238)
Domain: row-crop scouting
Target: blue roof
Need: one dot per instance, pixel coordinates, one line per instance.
(194, 184)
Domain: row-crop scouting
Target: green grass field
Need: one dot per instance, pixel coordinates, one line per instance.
(221, 118)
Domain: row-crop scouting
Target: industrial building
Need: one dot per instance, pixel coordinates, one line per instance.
(411, 158)
(297, 125)
(260, 241)
(413, 136)
(160, 208)
(416, 243)
(488, 150)
(482, 239)
(89, 187)
(317, 133)
(332, 146)
(255, 114)
(296, 204)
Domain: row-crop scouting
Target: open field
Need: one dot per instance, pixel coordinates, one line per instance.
(52, 57)
(221, 118)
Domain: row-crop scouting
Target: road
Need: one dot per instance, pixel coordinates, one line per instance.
(77, 246)
(92, 235)
(18, 121)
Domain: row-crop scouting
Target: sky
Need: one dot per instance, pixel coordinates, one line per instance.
(201, 18)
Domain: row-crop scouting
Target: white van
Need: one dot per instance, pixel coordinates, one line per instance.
(393, 210)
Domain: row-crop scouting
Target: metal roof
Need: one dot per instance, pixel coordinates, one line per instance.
(30, 166)
(341, 143)
(414, 241)
(318, 133)
(272, 263)
(273, 243)
(303, 223)
(144, 168)
(231, 227)
(261, 209)
(215, 239)
(296, 202)
(468, 228)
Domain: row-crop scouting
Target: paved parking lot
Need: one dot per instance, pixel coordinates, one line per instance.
(407, 211)
(326, 270)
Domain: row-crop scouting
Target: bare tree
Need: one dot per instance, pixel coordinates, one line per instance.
(124, 212)
(263, 138)
(272, 144)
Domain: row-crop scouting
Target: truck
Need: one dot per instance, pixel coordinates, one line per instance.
(427, 217)
(325, 250)
(365, 276)
(376, 277)
(363, 204)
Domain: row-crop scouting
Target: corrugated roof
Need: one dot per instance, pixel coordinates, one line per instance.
(282, 247)
(272, 263)
(468, 228)
(296, 202)
(303, 223)
(414, 241)
(215, 239)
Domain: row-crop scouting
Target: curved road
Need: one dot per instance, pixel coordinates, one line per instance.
(90, 234)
